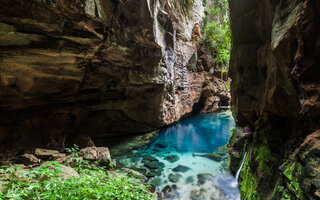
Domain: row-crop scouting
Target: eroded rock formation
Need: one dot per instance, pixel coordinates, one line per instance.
(98, 68)
(275, 95)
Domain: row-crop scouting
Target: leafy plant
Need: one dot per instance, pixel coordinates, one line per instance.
(47, 183)
(77, 162)
(217, 33)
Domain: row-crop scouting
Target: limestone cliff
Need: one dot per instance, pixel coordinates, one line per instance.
(99, 68)
(275, 95)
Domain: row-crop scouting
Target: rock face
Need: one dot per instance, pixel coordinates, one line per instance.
(98, 68)
(275, 94)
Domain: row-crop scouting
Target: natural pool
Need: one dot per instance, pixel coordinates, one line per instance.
(188, 160)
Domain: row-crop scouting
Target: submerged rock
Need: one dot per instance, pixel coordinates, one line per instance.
(174, 177)
(172, 158)
(189, 180)
(181, 168)
(147, 158)
(202, 178)
(154, 165)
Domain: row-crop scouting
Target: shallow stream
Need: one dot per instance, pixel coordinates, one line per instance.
(188, 160)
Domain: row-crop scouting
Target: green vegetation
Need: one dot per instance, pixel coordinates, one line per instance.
(248, 184)
(288, 186)
(292, 173)
(49, 181)
(265, 158)
(217, 33)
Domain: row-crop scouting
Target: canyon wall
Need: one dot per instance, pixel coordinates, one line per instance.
(276, 97)
(99, 68)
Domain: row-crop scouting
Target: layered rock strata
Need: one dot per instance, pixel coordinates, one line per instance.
(98, 68)
(275, 96)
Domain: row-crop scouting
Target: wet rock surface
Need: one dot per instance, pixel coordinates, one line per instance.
(275, 94)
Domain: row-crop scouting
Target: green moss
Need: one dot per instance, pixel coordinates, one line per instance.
(265, 159)
(247, 183)
(292, 174)
(233, 137)
(288, 186)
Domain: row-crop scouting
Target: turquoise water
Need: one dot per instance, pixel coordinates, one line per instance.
(177, 162)
(203, 133)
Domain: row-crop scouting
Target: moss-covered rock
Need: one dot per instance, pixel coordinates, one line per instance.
(248, 182)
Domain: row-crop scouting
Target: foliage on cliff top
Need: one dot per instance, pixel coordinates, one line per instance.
(46, 182)
(217, 33)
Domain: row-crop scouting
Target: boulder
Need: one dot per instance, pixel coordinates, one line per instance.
(59, 156)
(29, 159)
(45, 153)
(99, 154)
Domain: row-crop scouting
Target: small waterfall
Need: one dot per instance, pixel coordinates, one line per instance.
(239, 170)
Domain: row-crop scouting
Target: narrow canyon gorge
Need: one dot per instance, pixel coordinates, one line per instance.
(140, 77)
